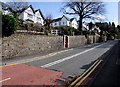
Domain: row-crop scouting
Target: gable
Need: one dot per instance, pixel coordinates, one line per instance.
(29, 9)
(64, 19)
(74, 21)
(37, 13)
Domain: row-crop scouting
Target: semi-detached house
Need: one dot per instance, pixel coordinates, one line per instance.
(64, 21)
(29, 14)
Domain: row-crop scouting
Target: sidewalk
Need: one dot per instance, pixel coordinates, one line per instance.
(109, 76)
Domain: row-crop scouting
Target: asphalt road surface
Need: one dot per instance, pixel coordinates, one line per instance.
(68, 62)
(109, 75)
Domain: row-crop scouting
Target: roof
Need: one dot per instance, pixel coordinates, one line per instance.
(73, 19)
(56, 20)
(59, 19)
(30, 6)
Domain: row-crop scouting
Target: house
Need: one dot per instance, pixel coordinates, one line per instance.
(85, 26)
(60, 22)
(64, 21)
(96, 29)
(29, 14)
(73, 23)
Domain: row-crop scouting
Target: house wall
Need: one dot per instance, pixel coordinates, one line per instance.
(74, 24)
(29, 11)
(57, 24)
(65, 21)
(85, 26)
(37, 14)
(60, 23)
(6, 12)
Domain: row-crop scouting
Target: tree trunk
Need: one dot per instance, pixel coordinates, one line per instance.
(80, 25)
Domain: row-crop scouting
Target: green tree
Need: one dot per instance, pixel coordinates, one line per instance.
(9, 25)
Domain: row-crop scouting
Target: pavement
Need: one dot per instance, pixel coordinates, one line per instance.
(53, 68)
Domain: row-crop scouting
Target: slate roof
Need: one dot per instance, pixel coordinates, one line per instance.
(72, 19)
(59, 19)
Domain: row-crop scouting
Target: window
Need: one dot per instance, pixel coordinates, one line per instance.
(38, 19)
(30, 15)
(55, 23)
(59, 23)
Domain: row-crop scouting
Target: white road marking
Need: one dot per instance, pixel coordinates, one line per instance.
(4, 80)
(70, 57)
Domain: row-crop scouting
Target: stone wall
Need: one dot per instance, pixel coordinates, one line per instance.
(76, 41)
(21, 45)
(91, 39)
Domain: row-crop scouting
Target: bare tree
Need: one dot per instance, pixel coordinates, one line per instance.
(17, 7)
(84, 9)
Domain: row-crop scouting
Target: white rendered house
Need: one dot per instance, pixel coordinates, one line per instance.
(64, 21)
(29, 14)
(85, 26)
(74, 23)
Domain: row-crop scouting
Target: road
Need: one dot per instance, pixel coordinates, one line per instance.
(110, 73)
(58, 65)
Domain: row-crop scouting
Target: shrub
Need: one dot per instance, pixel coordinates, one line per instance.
(9, 25)
(67, 30)
(85, 32)
(76, 31)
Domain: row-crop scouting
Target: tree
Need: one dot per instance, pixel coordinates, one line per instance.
(113, 25)
(48, 21)
(83, 9)
(118, 26)
(9, 25)
(90, 25)
(17, 7)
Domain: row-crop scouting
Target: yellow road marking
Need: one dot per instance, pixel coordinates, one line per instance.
(44, 57)
(73, 83)
(79, 83)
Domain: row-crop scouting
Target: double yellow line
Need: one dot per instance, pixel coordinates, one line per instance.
(80, 79)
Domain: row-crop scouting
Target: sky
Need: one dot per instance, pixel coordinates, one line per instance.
(54, 7)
